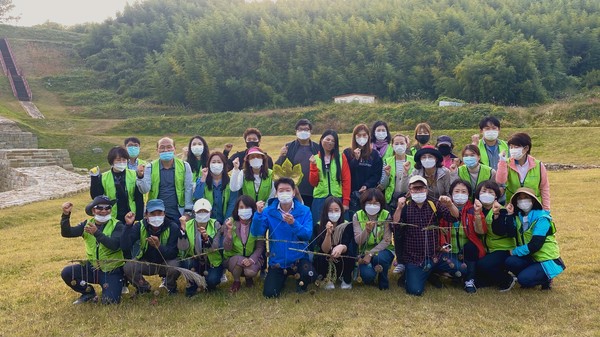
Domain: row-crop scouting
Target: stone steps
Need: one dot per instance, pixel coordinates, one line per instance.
(36, 158)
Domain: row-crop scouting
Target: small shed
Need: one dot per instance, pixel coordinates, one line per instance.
(355, 98)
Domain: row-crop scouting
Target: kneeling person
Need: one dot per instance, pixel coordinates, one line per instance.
(158, 245)
(101, 235)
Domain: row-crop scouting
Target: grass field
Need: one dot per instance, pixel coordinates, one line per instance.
(35, 301)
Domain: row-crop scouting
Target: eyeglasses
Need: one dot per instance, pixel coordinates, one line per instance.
(103, 208)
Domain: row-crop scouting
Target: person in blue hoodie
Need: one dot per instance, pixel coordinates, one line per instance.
(289, 223)
(536, 259)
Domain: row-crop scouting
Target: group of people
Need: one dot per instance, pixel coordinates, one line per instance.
(480, 216)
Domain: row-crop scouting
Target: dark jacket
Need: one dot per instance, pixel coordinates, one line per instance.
(166, 252)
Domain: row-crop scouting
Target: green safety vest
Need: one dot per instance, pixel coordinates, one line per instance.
(459, 240)
(532, 180)
(389, 152)
(549, 250)
(164, 238)
(179, 181)
(485, 173)
(495, 242)
(214, 258)
(208, 195)
(238, 248)
(108, 183)
(372, 241)
(483, 156)
(264, 190)
(97, 252)
(389, 191)
(328, 184)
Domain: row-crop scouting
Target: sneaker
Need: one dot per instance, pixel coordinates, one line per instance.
(249, 282)
(346, 286)
(509, 286)
(87, 297)
(329, 286)
(235, 287)
(224, 278)
(163, 283)
(470, 286)
(547, 285)
(399, 269)
(124, 290)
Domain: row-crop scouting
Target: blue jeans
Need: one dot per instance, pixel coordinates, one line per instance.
(275, 280)
(417, 275)
(111, 282)
(529, 272)
(212, 275)
(368, 273)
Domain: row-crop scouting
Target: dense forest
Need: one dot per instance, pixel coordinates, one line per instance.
(218, 55)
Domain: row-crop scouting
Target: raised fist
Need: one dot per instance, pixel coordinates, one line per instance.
(67, 207)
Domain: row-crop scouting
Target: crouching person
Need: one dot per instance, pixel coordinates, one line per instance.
(199, 243)
(157, 235)
(101, 235)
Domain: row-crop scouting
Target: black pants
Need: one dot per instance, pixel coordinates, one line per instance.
(343, 267)
(492, 270)
(275, 280)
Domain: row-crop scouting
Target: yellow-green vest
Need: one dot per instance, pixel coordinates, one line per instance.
(238, 248)
(97, 253)
(264, 190)
(495, 242)
(328, 184)
(391, 161)
(549, 250)
(215, 257)
(483, 156)
(372, 241)
(485, 173)
(179, 181)
(108, 183)
(164, 238)
(532, 180)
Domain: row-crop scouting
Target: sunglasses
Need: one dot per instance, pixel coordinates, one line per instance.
(103, 208)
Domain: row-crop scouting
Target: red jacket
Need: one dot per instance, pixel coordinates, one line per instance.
(467, 217)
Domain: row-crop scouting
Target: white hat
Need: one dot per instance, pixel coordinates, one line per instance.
(414, 179)
(202, 204)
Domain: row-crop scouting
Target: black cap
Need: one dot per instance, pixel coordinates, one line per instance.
(99, 200)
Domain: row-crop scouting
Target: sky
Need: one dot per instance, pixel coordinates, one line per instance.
(66, 12)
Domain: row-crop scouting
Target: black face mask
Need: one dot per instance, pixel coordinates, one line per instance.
(445, 150)
(422, 139)
(251, 144)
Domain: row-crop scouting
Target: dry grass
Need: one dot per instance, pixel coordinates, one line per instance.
(34, 300)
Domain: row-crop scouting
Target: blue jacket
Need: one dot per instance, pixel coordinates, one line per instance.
(301, 230)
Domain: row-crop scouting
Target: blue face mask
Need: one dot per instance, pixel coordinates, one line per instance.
(133, 151)
(470, 161)
(166, 156)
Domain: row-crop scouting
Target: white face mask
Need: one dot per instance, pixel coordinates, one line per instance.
(516, 153)
(460, 198)
(400, 149)
(256, 163)
(334, 216)
(285, 197)
(419, 198)
(428, 162)
(216, 168)
(372, 209)
(245, 213)
(202, 217)
(120, 167)
(303, 135)
(381, 135)
(156, 221)
(197, 150)
(490, 135)
(525, 205)
(486, 198)
(102, 218)
(362, 141)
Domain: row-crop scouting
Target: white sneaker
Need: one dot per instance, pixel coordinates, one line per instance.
(399, 269)
(346, 286)
(125, 290)
(329, 286)
(223, 278)
(163, 283)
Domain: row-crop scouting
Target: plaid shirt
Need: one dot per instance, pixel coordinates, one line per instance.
(418, 244)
